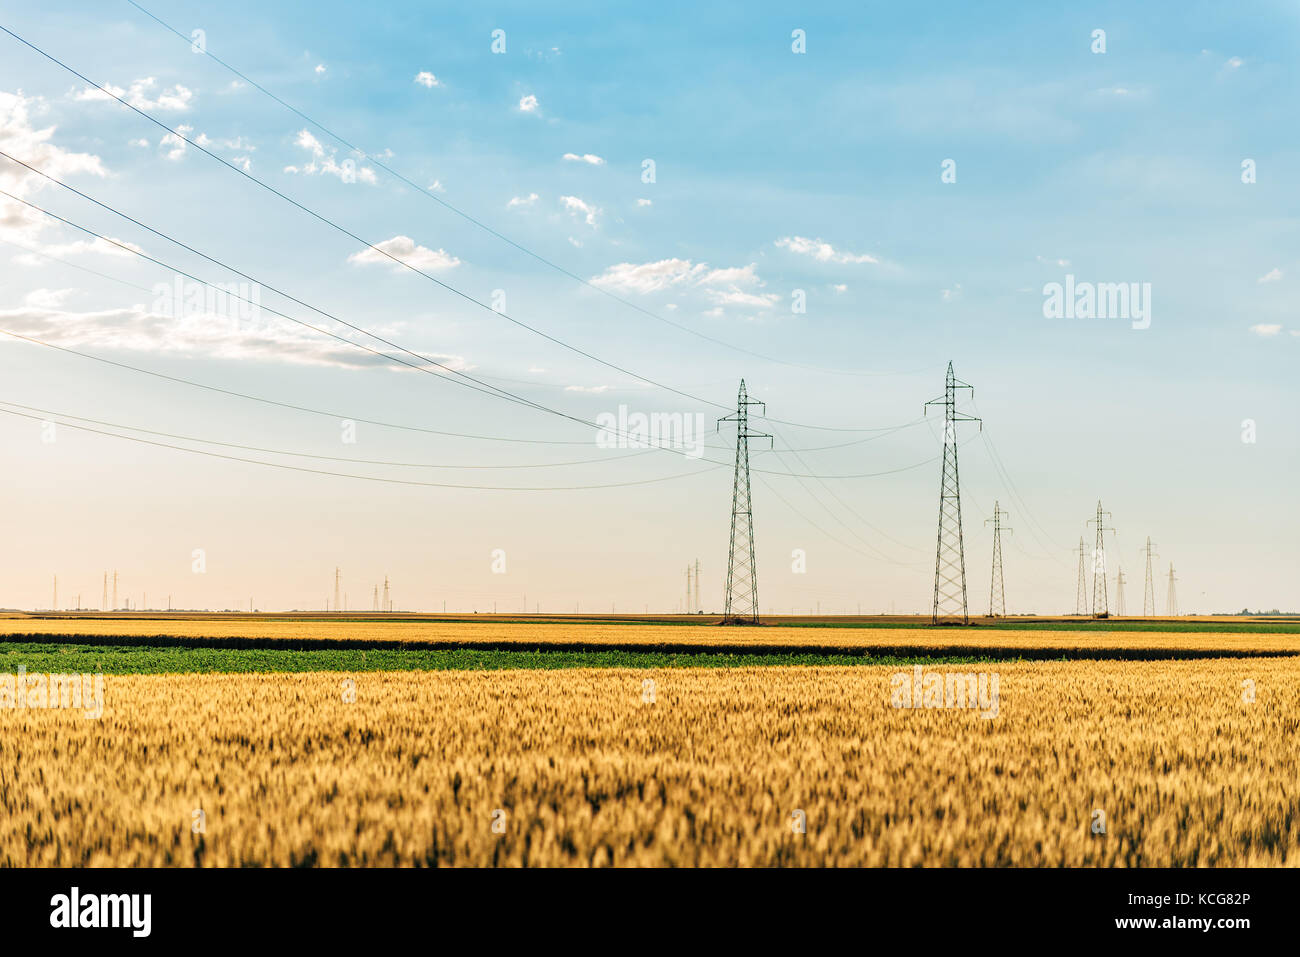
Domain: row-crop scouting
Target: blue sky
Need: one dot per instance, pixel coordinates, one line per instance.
(776, 173)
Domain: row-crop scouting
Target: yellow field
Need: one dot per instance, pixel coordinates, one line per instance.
(588, 773)
(543, 633)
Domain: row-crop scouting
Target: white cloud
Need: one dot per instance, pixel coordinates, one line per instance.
(323, 161)
(580, 207)
(528, 200)
(1273, 275)
(320, 68)
(736, 275)
(437, 187)
(528, 104)
(651, 277)
(590, 158)
(174, 145)
(591, 389)
(840, 287)
(1266, 329)
(141, 142)
(21, 224)
(1233, 62)
(47, 298)
(175, 99)
(427, 79)
(267, 338)
(643, 202)
(1053, 262)
(77, 248)
(738, 297)
(822, 251)
(405, 249)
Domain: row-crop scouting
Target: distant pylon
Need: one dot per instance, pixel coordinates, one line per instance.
(115, 590)
(337, 606)
(1149, 590)
(696, 604)
(1100, 602)
(1081, 595)
(742, 571)
(1119, 593)
(950, 555)
(686, 602)
(1171, 603)
(387, 606)
(376, 598)
(997, 589)
(103, 605)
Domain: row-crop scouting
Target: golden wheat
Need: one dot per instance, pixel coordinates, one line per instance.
(579, 768)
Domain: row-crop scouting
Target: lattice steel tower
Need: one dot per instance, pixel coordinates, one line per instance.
(742, 574)
(1081, 593)
(1100, 608)
(1119, 592)
(1149, 591)
(950, 557)
(997, 591)
(1171, 603)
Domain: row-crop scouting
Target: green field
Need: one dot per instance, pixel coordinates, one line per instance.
(124, 659)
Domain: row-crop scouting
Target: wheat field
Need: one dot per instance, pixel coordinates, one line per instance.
(594, 767)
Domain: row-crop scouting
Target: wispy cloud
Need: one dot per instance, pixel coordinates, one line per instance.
(822, 251)
(1273, 275)
(323, 161)
(589, 158)
(580, 207)
(408, 251)
(140, 94)
(427, 79)
(528, 104)
(1266, 329)
(205, 336)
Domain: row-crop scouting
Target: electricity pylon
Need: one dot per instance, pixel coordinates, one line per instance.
(1171, 603)
(697, 604)
(1100, 608)
(115, 591)
(104, 602)
(742, 573)
(388, 602)
(1119, 593)
(1081, 593)
(1149, 590)
(950, 556)
(997, 590)
(337, 606)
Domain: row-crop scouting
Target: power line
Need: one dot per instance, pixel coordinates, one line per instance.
(364, 478)
(481, 225)
(351, 235)
(309, 455)
(387, 255)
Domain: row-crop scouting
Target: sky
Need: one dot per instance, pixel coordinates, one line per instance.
(578, 216)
